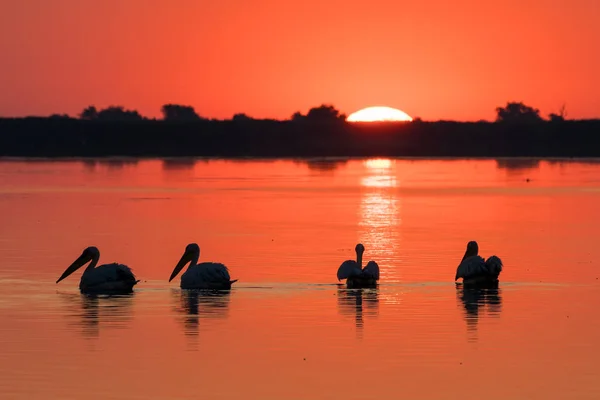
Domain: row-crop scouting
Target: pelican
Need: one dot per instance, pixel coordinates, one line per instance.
(206, 275)
(355, 275)
(475, 270)
(104, 278)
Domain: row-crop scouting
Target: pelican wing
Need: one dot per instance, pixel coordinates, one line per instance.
(494, 265)
(347, 269)
(371, 270)
(203, 273)
(471, 266)
(108, 274)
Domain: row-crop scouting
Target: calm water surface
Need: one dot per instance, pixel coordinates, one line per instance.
(287, 330)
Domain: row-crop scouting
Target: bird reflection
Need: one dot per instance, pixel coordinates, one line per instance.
(91, 312)
(358, 303)
(194, 305)
(479, 302)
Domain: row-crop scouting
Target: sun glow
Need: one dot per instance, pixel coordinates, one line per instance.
(372, 114)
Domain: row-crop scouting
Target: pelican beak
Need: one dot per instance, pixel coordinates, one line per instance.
(81, 261)
(185, 258)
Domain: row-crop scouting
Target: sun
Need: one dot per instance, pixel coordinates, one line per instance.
(373, 114)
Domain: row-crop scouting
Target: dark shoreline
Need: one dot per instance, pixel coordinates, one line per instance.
(184, 159)
(269, 139)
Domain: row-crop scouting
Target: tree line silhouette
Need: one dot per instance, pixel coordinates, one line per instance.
(519, 130)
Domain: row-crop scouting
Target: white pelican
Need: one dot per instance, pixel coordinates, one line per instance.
(355, 275)
(206, 275)
(104, 278)
(475, 270)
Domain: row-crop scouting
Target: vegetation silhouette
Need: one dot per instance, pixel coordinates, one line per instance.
(519, 131)
(175, 112)
(518, 113)
(112, 113)
(560, 117)
(324, 113)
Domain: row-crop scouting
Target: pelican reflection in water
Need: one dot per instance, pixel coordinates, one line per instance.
(91, 312)
(107, 278)
(475, 270)
(206, 275)
(358, 303)
(477, 302)
(200, 304)
(355, 275)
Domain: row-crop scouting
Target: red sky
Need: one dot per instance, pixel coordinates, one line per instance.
(435, 59)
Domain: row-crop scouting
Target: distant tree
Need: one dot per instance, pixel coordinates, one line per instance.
(561, 116)
(323, 113)
(176, 112)
(59, 116)
(517, 113)
(297, 116)
(89, 113)
(241, 117)
(118, 113)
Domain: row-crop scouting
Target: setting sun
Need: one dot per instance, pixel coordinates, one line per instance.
(372, 114)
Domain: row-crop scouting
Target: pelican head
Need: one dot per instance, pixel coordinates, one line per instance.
(192, 248)
(359, 248)
(472, 249)
(90, 253)
(192, 251)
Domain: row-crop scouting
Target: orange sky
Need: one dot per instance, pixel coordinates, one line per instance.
(435, 59)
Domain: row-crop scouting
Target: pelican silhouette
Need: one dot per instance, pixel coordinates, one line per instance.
(355, 275)
(106, 278)
(206, 275)
(475, 270)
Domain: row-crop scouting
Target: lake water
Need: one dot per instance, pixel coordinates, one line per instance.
(287, 330)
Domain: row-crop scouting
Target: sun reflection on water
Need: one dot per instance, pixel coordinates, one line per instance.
(380, 215)
(378, 163)
(379, 173)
